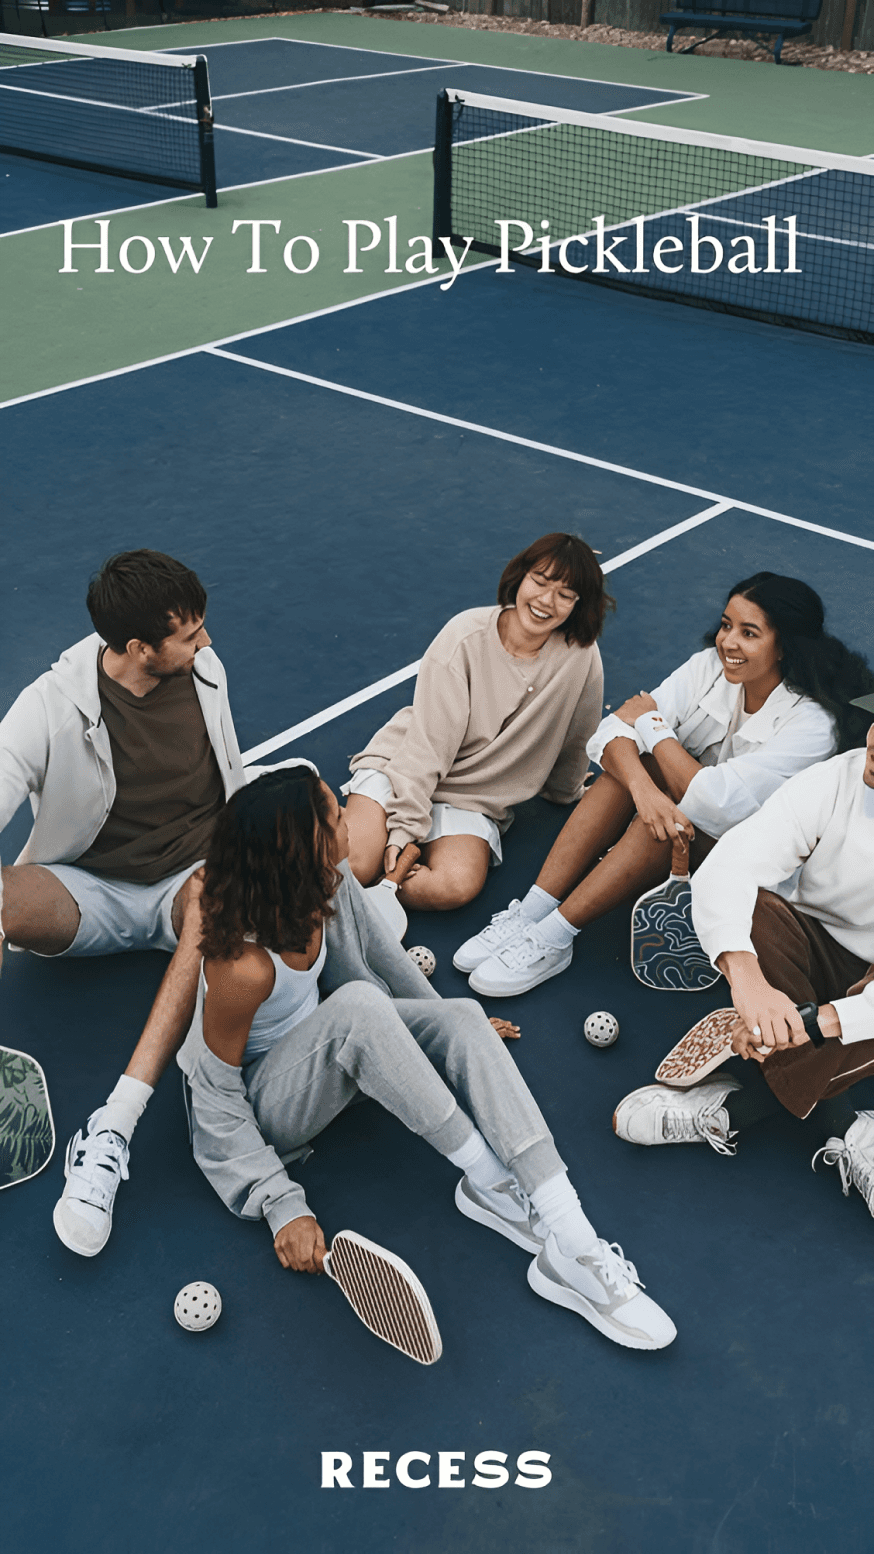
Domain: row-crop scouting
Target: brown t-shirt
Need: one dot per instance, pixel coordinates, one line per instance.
(169, 788)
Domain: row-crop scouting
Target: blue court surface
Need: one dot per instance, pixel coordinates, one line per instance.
(342, 486)
(283, 108)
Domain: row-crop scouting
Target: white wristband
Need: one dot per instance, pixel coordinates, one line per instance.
(652, 729)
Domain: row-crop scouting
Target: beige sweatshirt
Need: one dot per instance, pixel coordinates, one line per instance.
(487, 730)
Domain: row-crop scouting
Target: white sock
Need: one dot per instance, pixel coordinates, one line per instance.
(124, 1107)
(556, 931)
(560, 1210)
(479, 1163)
(538, 904)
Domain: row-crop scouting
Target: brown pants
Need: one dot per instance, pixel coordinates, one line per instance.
(801, 959)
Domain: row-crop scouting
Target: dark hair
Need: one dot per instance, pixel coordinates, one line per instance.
(812, 663)
(269, 871)
(570, 560)
(135, 594)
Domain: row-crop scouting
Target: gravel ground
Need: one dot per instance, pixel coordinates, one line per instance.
(815, 57)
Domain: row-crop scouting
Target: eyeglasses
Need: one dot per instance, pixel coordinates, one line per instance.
(565, 596)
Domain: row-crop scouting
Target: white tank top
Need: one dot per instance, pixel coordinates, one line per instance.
(295, 995)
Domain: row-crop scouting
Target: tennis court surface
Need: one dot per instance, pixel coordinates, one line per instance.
(343, 484)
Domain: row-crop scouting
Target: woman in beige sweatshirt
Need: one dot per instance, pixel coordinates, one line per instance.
(506, 698)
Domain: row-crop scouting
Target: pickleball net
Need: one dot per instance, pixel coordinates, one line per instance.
(141, 115)
(652, 209)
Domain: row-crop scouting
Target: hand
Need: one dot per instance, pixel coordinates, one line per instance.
(635, 707)
(770, 1020)
(505, 1030)
(661, 816)
(301, 1245)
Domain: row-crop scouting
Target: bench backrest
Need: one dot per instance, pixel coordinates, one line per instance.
(797, 10)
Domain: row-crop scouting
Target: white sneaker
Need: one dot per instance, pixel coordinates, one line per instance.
(96, 1162)
(603, 1287)
(854, 1157)
(524, 962)
(503, 926)
(505, 1208)
(657, 1115)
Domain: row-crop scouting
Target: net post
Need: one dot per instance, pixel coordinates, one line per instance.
(205, 130)
(443, 169)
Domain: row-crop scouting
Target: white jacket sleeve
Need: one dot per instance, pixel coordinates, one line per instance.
(718, 797)
(24, 752)
(674, 696)
(856, 1015)
(758, 854)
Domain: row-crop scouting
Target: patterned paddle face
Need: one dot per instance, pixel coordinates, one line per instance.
(386, 1295)
(665, 952)
(27, 1132)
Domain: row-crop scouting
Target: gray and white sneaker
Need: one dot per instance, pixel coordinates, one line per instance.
(503, 926)
(854, 1157)
(657, 1115)
(95, 1165)
(505, 1208)
(603, 1287)
(524, 962)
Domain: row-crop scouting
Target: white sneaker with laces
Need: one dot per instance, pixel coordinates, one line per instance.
(95, 1165)
(503, 926)
(524, 962)
(602, 1286)
(505, 1208)
(854, 1157)
(657, 1115)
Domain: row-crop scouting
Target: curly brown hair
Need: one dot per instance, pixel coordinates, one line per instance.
(569, 560)
(269, 872)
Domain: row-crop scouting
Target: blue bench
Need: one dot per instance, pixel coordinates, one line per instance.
(785, 18)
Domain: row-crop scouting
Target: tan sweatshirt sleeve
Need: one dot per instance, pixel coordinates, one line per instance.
(564, 785)
(441, 711)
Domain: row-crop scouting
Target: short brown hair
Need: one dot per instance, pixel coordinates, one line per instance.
(570, 560)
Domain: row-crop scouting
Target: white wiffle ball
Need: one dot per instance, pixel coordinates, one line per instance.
(601, 1028)
(197, 1307)
(424, 958)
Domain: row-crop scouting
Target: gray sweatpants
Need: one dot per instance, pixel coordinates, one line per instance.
(405, 1053)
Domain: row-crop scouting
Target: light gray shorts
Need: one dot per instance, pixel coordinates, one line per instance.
(118, 914)
(446, 820)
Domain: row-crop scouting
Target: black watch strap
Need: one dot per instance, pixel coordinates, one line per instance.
(810, 1020)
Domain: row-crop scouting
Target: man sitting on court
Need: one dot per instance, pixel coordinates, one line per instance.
(784, 907)
(127, 749)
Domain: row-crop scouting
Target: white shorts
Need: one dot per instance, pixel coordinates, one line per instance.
(118, 914)
(446, 820)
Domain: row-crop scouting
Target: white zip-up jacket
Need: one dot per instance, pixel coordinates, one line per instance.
(788, 734)
(55, 749)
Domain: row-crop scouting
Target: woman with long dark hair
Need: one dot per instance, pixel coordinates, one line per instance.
(506, 698)
(764, 700)
(307, 1000)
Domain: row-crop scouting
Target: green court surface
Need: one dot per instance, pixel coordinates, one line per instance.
(64, 328)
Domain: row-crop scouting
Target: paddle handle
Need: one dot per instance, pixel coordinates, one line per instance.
(680, 857)
(406, 858)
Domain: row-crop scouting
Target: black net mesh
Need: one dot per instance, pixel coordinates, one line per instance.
(97, 111)
(782, 240)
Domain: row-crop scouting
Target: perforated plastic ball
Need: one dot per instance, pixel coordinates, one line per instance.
(601, 1028)
(424, 959)
(197, 1307)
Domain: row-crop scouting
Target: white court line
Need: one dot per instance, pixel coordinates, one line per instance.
(538, 447)
(291, 140)
(318, 719)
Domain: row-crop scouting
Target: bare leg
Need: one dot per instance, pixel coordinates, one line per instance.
(171, 1013)
(633, 865)
(368, 837)
(453, 870)
(600, 817)
(38, 911)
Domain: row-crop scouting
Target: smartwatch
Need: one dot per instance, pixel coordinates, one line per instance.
(810, 1020)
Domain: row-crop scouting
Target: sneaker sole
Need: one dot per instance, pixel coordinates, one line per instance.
(71, 1246)
(474, 1211)
(571, 1300)
(702, 1050)
(507, 992)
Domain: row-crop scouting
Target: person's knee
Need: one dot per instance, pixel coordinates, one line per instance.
(359, 999)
